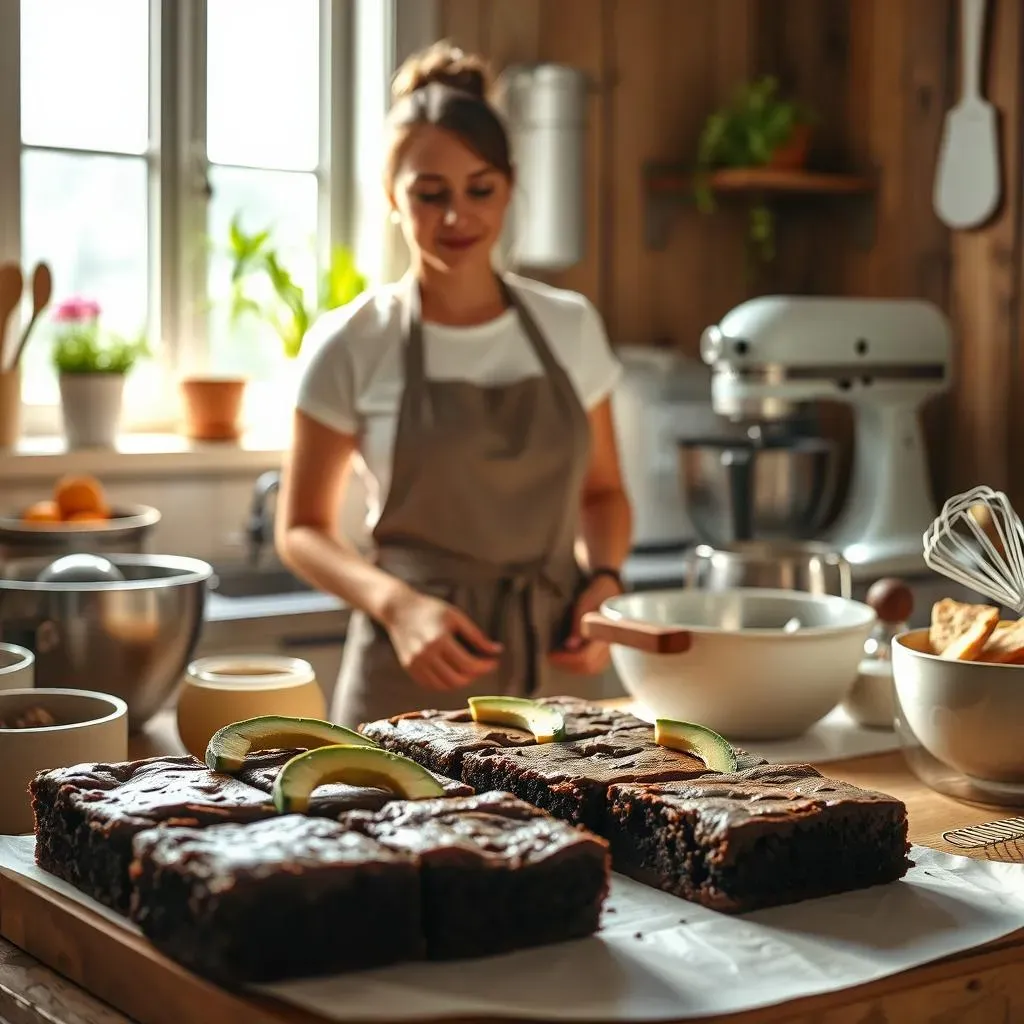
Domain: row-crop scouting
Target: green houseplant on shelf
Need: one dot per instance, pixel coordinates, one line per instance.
(262, 286)
(91, 366)
(757, 128)
(265, 288)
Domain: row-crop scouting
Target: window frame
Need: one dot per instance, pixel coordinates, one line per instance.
(178, 165)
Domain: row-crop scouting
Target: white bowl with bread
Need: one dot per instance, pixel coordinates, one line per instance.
(959, 690)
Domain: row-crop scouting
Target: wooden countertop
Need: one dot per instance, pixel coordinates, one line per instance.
(980, 986)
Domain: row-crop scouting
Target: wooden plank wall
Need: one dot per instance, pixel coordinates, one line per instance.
(881, 74)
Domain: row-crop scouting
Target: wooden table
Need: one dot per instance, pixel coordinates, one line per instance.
(977, 987)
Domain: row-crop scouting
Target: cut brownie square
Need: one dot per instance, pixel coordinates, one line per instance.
(571, 779)
(262, 767)
(496, 873)
(286, 898)
(87, 815)
(439, 740)
(757, 838)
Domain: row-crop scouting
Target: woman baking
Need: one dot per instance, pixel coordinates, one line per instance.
(477, 408)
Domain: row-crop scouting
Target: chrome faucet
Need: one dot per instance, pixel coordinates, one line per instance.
(260, 528)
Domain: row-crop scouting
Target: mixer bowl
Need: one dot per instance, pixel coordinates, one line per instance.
(739, 490)
(777, 565)
(131, 638)
(743, 672)
(959, 722)
(127, 531)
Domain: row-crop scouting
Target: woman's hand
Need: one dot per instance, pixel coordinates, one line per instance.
(578, 654)
(432, 641)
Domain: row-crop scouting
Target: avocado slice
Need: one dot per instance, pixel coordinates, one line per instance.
(228, 747)
(545, 722)
(356, 766)
(715, 751)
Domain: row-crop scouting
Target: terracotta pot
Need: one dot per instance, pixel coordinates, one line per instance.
(10, 407)
(793, 155)
(213, 408)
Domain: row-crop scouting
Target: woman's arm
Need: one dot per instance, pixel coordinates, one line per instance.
(606, 518)
(424, 630)
(306, 534)
(606, 523)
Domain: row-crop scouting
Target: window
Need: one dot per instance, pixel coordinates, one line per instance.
(146, 126)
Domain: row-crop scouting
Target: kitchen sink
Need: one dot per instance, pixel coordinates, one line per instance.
(245, 581)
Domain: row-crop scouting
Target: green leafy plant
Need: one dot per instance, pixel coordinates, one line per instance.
(749, 132)
(80, 345)
(288, 310)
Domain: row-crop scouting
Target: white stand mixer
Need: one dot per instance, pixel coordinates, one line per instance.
(885, 358)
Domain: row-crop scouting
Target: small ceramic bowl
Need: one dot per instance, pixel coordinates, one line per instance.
(231, 687)
(959, 722)
(17, 667)
(88, 726)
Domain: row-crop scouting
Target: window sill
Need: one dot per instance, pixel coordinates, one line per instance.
(140, 454)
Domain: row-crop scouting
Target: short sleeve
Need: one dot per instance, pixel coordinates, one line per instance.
(599, 368)
(327, 381)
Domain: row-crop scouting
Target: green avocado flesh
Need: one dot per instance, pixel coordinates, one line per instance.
(229, 746)
(689, 738)
(356, 766)
(545, 722)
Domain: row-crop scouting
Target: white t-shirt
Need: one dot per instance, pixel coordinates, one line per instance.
(353, 377)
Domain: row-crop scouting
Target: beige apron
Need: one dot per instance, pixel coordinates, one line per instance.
(482, 512)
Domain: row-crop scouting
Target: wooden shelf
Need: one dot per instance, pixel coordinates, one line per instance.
(665, 185)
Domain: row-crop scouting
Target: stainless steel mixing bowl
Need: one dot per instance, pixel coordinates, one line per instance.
(778, 565)
(127, 531)
(738, 490)
(131, 638)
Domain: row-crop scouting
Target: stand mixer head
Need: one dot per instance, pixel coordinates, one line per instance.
(773, 355)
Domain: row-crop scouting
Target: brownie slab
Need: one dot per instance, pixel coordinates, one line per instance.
(439, 740)
(286, 898)
(571, 780)
(756, 838)
(87, 815)
(496, 874)
(262, 767)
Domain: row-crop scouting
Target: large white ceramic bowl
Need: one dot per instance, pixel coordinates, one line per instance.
(745, 672)
(968, 716)
(90, 727)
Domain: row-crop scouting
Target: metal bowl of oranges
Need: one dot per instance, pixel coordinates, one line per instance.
(76, 518)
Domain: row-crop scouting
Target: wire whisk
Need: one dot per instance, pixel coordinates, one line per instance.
(977, 540)
(1006, 830)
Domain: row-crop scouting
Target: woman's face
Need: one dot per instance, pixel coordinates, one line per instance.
(451, 203)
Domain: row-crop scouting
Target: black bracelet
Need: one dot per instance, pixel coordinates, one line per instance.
(613, 574)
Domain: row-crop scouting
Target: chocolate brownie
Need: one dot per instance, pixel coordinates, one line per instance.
(756, 838)
(87, 815)
(286, 898)
(439, 740)
(571, 779)
(262, 767)
(497, 874)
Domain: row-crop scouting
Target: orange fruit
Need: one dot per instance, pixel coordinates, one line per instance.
(79, 494)
(42, 512)
(91, 516)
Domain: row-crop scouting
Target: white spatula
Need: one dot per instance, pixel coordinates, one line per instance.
(967, 181)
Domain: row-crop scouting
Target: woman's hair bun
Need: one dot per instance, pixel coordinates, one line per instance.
(446, 65)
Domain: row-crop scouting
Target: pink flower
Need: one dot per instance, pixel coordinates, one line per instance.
(76, 310)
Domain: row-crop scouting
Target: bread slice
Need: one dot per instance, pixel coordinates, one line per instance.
(959, 632)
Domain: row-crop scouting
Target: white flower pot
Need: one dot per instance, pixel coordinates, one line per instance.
(91, 407)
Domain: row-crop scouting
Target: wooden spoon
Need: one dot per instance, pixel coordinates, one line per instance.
(42, 290)
(12, 283)
(644, 636)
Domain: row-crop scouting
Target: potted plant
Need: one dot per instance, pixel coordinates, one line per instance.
(757, 128)
(262, 286)
(91, 367)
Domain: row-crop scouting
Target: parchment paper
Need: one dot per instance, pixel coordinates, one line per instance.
(658, 957)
